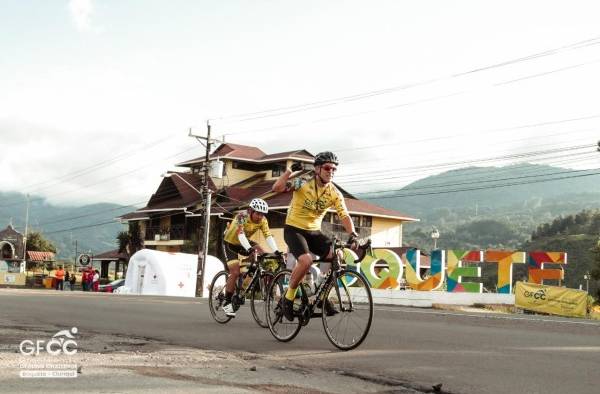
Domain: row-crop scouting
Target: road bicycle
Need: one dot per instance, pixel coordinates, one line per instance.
(344, 298)
(252, 284)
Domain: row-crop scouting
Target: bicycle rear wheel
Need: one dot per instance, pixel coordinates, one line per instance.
(258, 298)
(216, 297)
(282, 329)
(348, 323)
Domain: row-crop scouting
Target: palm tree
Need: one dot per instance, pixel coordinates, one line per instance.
(130, 241)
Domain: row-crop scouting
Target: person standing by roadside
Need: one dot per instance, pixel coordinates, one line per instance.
(60, 278)
(68, 278)
(90, 278)
(72, 281)
(95, 280)
(84, 280)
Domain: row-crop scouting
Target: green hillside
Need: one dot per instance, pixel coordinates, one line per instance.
(490, 206)
(51, 219)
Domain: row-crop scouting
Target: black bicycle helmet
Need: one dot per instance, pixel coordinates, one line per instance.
(326, 157)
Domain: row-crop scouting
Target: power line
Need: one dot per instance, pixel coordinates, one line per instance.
(399, 174)
(442, 185)
(524, 182)
(102, 181)
(483, 187)
(464, 173)
(99, 165)
(318, 104)
(483, 160)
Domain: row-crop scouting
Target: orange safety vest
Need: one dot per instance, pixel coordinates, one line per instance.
(60, 274)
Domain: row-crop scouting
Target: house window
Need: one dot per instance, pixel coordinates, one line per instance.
(366, 221)
(278, 170)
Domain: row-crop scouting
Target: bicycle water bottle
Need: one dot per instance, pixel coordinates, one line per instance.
(308, 285)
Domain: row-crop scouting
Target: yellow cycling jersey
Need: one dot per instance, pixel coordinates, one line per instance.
(310, 203)
(242, 222)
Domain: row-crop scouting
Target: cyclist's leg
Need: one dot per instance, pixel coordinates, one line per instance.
(234, 273)
(298, 246)
(320, 244)
(233, 265)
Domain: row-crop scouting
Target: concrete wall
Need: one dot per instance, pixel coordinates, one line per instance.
(426, 299)
(7, 278)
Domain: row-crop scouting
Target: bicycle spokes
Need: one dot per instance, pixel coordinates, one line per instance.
(350, 304)
(281, 328)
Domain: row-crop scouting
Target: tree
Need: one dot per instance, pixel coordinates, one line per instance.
(123, 241)
(596, 267)
(130, 241)
(36, 242)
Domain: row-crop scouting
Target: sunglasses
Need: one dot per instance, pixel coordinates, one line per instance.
(329, 168)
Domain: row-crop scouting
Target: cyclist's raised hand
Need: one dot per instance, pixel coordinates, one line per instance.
(353, 241)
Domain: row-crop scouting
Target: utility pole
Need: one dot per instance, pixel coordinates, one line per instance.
(26, 226)
(203, 248)
(75, 253)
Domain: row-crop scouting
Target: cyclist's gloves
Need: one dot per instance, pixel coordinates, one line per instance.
(297, 167)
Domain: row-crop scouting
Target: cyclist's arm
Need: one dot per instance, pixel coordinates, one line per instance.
(272, 244)
(241, 235)
(280, 184)
(342, 211)
(348, 225)
(244, 241)
(264, 227)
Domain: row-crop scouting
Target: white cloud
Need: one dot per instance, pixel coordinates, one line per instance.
(81, 14)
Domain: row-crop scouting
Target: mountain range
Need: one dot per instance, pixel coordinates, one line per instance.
(67, 227)
(517, 198)
(471, 207)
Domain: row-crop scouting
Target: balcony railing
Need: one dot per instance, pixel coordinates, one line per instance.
(165, 233)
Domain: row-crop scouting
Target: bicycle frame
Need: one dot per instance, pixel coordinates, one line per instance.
(240, 292)
(331, 277)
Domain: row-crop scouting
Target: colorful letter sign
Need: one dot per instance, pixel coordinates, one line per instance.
(384, 268)
(456, 270)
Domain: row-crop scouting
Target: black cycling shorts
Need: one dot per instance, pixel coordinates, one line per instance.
(232, 250)
(301, 241)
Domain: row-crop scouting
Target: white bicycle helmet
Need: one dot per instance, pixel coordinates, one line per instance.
(259, 205)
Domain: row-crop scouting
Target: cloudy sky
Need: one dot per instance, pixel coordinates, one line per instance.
(96, 97)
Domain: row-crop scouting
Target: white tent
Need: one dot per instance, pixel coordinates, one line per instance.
(151, 272)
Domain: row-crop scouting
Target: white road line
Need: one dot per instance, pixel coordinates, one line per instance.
(488, 316)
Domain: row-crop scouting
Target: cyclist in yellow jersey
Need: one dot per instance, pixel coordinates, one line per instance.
(243, 226)
(302, 232)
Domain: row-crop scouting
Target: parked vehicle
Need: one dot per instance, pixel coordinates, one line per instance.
(112, 286)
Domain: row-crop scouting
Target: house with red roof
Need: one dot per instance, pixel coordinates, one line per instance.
(173, 215)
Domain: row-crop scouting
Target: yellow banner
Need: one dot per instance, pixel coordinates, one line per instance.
(551, 299)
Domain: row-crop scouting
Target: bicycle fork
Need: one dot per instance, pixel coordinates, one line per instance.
(335, 280)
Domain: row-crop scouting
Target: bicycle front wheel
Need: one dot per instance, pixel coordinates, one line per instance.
(216, 297)
(258, 298)
(282, 329)
(347, 310)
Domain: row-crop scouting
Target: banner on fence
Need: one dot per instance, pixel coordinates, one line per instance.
(551, 299)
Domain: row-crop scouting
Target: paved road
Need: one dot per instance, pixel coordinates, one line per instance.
(466, 352)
